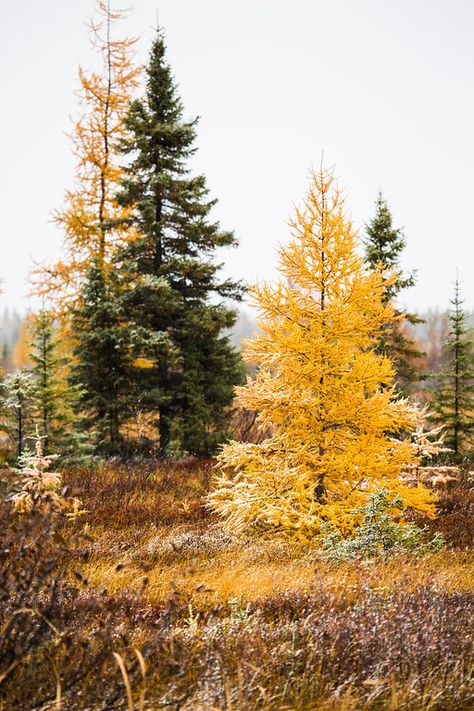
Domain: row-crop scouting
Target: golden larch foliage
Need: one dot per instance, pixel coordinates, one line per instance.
(94, 223)
(321, 391)
(22, 347)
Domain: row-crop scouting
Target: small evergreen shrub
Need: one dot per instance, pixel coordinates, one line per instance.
(39, 489)
(378, 533)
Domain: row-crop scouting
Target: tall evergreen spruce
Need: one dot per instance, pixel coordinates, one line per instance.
(453, 398)
(175, 301)
(103, 361)
(383, 245)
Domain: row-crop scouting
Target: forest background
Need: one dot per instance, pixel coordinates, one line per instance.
(324, 559)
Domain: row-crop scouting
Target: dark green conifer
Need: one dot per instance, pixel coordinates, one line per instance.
(54, 399)
(103, 360)
(383, 246)
(175, 300)
(453, 397)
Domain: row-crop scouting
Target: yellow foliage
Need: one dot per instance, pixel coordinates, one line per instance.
(21, 350)
(321, 390)
(94, 223)
(143, 363)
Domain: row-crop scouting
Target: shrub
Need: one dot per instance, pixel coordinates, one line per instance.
(455, 512)
(378, 533)
(38, 488)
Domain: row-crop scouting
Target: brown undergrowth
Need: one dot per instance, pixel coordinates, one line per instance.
(198, 619)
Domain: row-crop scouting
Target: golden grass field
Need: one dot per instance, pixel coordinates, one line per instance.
(157, 606)
(189, 559)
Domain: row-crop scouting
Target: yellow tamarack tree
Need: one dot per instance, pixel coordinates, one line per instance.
(321, 390)
(22, 347)
(94, 224)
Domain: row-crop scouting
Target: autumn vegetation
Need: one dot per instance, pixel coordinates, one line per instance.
(189, 524)
(222, 620)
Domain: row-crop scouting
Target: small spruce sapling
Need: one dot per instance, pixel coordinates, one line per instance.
(38, 488)
(18, 401)
(378, 532)
(37, 485)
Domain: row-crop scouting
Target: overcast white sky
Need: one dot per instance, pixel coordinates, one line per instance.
(384, 87)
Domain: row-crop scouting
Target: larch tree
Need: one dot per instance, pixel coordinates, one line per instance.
(452, 403)
(20, 356)
(322, 391)
(383, 246)
(92, 220)
(175, 302)
(5, 360)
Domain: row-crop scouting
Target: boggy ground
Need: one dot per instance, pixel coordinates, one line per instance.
(200, 619)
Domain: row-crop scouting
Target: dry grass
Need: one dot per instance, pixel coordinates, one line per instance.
(187, 559)
(145, 494)
(159, 608)
(150, 520)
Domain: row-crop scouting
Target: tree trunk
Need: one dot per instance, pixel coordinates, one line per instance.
(164, 429)
(114, 430)
(20, 432)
